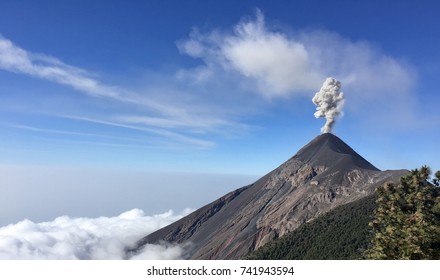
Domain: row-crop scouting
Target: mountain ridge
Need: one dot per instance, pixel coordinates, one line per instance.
(322, 175)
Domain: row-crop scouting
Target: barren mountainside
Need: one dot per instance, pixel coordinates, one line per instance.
(324, 174)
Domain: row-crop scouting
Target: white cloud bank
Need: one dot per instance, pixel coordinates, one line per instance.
(86, 238)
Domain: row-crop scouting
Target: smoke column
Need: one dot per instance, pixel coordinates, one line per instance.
(329, 102)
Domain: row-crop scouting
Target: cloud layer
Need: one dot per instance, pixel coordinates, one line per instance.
(86, 238)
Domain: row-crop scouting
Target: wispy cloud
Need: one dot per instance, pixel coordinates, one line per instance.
(87, 238)
(162, 132)
(18, 60)
(114, 141)
(200, 126)
(66, 132)
(159, 118)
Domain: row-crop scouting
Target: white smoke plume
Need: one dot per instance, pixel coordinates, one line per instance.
(329, 102)
(68, 238)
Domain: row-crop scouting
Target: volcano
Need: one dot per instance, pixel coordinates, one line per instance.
(324, 174)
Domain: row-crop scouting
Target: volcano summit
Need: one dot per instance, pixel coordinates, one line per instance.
(324, 174)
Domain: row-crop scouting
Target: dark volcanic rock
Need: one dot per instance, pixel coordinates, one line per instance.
(324, 174)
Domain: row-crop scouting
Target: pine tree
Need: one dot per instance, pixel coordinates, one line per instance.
(406, 223)
(436, 180)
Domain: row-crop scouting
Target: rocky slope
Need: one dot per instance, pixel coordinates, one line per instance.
(324, 174)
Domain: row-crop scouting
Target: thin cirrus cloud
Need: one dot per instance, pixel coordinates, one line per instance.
(161, 116)
(66, 132)
(18, 60)
(199, 143)
(193, 125)
(69, 238)
(196, 143)
(112, 141)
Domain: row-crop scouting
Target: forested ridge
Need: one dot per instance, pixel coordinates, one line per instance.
(343, 233)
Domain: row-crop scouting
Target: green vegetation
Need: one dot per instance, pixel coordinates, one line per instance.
(406, 222)
(342, 233)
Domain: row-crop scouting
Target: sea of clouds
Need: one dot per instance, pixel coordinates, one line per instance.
(69, 238)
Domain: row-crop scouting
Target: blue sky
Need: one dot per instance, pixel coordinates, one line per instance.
(211, 87)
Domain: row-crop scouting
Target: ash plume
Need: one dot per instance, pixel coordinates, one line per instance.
(329, 101)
